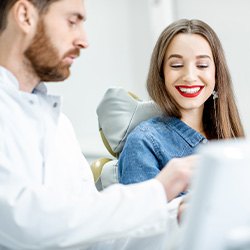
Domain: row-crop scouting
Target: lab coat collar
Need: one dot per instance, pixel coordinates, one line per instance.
(8, 77)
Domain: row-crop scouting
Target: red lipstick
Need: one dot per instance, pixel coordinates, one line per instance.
(189, 91)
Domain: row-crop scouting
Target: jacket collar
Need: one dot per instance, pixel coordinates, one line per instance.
(192, 137)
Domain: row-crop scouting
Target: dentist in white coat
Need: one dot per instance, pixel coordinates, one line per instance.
(48, 199)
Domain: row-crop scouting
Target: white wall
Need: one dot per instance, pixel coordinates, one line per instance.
(122, 34)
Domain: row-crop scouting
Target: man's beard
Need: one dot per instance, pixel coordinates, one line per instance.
(44, 57)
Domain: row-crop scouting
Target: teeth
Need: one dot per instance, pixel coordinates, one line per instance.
(190, 90)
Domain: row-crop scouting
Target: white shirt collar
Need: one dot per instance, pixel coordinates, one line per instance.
(8, 77)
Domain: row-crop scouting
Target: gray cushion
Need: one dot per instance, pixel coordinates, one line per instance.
(119, 112)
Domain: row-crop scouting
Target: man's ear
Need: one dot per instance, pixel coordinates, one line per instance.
(26, 15)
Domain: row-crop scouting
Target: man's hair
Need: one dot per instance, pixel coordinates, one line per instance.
(220, 118)
(6, 5)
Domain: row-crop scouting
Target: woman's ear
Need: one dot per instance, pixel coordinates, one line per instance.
(26, 15)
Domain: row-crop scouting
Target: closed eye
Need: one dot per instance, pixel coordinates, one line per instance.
(176, 66)
(72, 23)
(202, 66)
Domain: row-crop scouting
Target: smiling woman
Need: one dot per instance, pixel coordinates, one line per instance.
(189, 73)
(190, 81)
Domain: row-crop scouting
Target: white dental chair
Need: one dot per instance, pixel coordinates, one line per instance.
(118, 114)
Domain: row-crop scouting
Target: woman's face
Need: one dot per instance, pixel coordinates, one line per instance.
(189, 71)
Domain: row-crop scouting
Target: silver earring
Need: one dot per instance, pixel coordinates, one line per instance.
(215, 94)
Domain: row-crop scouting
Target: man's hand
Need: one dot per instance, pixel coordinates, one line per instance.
(182, 207)
(176, 175)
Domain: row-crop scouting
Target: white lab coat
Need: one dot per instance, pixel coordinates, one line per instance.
(48, 199)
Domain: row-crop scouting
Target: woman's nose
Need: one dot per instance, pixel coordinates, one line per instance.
(190, 75)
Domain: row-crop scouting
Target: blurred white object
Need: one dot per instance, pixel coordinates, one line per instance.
(239, 238)
(219, 208)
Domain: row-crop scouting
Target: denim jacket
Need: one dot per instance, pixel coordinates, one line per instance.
(152, 144)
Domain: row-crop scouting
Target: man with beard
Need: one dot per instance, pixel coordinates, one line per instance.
(48, 198)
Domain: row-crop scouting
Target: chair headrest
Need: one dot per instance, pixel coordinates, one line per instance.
(119, 112)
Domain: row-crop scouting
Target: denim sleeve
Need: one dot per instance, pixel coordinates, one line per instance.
(138, 161)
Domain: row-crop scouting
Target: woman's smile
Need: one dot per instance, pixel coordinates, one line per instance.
(189, 91)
